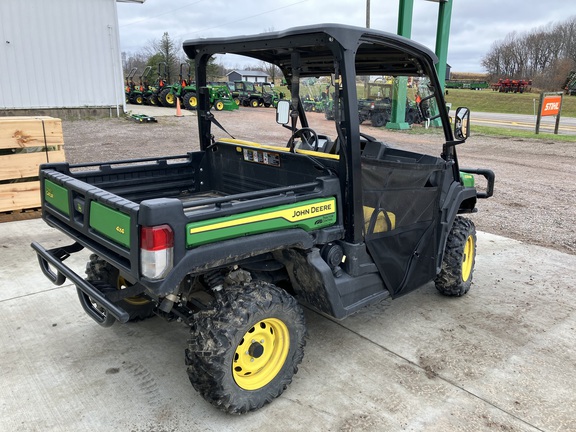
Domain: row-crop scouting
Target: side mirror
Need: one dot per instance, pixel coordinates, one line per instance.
(283, 112)
(462, 123)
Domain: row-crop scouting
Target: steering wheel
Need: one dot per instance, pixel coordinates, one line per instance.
(308, 136)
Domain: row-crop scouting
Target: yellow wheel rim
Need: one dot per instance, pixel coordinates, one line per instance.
(170, 98)
(261, 354)
(136, 301)
(237, 101)
(468, 258)
(193, 101)
(219, 106)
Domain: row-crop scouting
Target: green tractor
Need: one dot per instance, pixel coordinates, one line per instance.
(170, 92)
(133, 92)
(148, 91)
(153, 96)
(220, 97)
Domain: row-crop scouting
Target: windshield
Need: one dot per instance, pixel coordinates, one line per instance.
(400, 110)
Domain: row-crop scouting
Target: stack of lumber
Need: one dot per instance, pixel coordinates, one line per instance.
(25, 143)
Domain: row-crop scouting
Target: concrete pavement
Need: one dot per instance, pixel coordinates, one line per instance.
(501, 358)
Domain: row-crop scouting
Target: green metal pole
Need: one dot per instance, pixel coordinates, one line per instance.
(442, 37)
(398, 120)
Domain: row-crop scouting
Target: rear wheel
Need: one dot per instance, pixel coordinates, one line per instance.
(190, 101)
(254, 103)
(455, 277)
(244, 352)
(167, 98)
(153, 100)
(378, 120)
(98, 270)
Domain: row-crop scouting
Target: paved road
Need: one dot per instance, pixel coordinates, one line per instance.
(512, 121)
(500, 358)
(524, 122)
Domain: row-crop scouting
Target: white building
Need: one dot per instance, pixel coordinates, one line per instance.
(250, 75)
(60, 55)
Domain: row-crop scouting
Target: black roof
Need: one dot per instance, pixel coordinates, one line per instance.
(377, 52)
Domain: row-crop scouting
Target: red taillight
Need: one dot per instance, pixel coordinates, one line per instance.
(156, 238)
(156, 251)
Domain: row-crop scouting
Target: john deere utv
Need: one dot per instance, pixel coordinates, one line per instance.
(233, 238)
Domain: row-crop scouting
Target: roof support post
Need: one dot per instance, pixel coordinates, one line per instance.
(398, 119)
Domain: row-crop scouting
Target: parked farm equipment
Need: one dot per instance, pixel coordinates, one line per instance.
(570, 86)
(133, 92)
(219, 94)
(152, 96)
(467, 84)
(248, 95)
(269, 96)
(147, 90)
(511, 85)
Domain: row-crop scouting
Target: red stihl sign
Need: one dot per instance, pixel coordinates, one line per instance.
(551, 105)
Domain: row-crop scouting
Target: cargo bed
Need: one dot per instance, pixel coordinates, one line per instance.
(104, 205)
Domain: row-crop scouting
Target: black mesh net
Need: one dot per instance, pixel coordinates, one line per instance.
(401, 211)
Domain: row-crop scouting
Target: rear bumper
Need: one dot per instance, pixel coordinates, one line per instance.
(86, 291)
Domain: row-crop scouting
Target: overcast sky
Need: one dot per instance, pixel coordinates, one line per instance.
(476, 24)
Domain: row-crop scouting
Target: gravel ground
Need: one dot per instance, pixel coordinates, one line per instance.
(535, 179)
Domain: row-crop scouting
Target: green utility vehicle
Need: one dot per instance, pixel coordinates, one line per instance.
(269, 96)
(230, 239)
(248, 94)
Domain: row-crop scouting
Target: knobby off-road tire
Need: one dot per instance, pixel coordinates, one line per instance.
(243, 353)
(167, 98)
(218, 105)
(190, 101)
(378, 120)
(98, 270)
(455, 277)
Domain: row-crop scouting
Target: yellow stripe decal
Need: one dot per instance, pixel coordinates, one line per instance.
(292, 214)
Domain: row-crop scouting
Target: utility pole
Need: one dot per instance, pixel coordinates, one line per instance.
(367, 13)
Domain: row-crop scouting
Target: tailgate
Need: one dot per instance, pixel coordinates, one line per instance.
(99, 220)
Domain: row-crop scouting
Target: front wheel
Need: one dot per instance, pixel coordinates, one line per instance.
(243, 353)
(218, 105)
(455, 277)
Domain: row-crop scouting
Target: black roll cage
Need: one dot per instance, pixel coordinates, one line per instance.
(321, 50)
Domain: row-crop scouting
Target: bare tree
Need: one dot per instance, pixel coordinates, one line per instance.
(544, 54)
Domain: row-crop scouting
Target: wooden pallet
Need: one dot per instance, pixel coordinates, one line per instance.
(25, 143)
